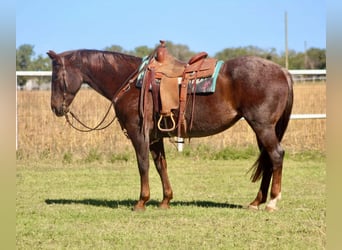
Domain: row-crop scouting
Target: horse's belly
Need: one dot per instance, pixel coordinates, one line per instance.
(212, 124)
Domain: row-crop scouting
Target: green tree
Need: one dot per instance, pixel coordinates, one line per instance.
(180, 51)
(23, 61)
(26, 61)
(41, 63)
(23, 57)
(230, 53)
(296, 60)
(316, 58)
(115, 48)
(142, 51)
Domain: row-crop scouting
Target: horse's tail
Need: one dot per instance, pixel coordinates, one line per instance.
(264, 162)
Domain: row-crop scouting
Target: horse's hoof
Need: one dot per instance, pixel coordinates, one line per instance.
(139, 208)
(271, 209)
(252, 207)
(164, 206)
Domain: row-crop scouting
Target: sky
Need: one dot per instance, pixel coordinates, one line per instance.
(210, 26)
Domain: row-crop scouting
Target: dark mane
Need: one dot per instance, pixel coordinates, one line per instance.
(99, 59)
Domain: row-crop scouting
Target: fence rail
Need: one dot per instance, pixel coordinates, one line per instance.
(292, 72)
(33, 73)
(297, 72)
(308, 71)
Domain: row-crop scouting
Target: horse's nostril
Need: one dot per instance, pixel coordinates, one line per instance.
(57, 112)
(53, 110)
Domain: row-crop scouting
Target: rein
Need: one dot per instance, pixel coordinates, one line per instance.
(117, 95)
(89, 129)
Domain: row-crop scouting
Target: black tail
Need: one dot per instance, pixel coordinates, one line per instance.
(264, 162)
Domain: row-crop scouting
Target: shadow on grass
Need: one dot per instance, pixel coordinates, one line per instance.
(131, 203)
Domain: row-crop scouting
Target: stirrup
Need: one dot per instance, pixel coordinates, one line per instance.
(166, 129)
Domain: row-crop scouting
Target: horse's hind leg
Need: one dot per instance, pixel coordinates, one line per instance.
(277, 156)
(265, 161)
(271, 163)
(158, 154)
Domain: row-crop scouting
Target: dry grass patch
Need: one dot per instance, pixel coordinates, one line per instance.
(41, 134)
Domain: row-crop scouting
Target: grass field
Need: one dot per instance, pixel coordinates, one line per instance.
(88, 206)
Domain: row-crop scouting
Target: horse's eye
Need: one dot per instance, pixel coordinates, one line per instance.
(56, 64)
(54, 77)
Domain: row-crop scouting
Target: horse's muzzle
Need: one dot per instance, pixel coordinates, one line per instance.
(60, 111)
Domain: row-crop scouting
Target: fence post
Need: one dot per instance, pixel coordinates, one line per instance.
(180, 143)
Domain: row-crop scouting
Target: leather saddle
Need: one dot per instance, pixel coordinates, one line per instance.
(168, 78)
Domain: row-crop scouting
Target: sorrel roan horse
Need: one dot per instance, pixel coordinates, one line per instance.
(256, 89)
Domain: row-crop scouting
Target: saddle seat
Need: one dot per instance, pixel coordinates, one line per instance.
(168, 66)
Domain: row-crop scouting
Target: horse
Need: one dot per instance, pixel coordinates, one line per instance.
(249, 87)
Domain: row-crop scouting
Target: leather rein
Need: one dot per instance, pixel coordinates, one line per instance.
(117, 95)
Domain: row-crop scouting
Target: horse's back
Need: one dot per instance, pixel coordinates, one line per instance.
(255, 76)
(258, 85)
(253, 70)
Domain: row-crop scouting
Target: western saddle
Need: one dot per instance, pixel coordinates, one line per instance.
(163, 75)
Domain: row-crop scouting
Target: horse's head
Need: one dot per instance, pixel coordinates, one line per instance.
(66, 81)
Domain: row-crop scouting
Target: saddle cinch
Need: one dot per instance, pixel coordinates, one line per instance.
(168, 78)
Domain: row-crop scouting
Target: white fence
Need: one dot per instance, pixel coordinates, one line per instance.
(297, 74)
(302, 74)
(310, 75)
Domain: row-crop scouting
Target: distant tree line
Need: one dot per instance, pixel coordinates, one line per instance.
(312, 58)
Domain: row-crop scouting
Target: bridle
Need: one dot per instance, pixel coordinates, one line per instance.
(117, 95)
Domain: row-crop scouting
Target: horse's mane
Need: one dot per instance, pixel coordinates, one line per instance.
(99, 60)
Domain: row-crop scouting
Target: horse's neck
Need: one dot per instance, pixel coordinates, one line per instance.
(106, 72)
(108, 83)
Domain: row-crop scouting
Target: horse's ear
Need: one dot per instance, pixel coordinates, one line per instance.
(52, 54)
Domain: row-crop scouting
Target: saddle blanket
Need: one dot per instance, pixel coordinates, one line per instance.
(203, 85)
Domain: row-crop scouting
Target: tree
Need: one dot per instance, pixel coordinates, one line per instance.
(23, 57)
(40, 63)
(296, 60)
(316, 58)
(180, 51)
(230, 53)
(23, 60)
(114, 48)
(141, 51)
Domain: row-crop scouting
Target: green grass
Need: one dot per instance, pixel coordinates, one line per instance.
(86, 204)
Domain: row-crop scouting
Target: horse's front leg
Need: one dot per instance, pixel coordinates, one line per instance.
(142, 154)
(158, 154)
